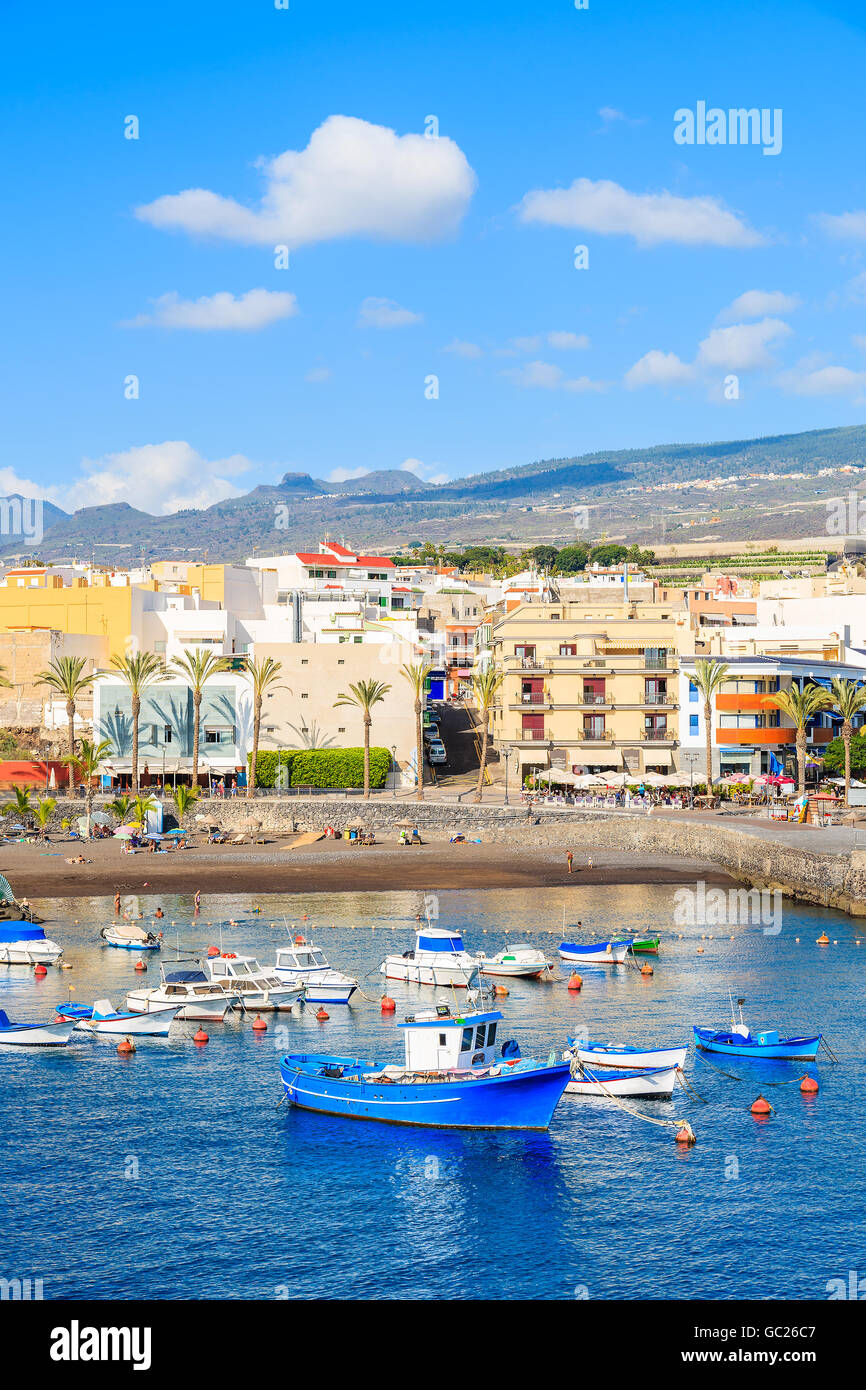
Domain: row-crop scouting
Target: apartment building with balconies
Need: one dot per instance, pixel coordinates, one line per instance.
(591, 689)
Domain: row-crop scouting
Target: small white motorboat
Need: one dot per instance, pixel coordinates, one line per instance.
(650, 1082)
(518, 962)
(23, 942)
(129, 937)
(439, 958)
(303, 963)
(104, 1019)
(597, 1055)
(54, 1034)
(197, 997)
(599, 953)
(255, 988)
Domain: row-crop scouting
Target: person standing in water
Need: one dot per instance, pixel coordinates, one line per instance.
(197, 900)
(570, 858)
(117, 904)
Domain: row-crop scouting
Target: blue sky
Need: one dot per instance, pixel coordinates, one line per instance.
(412, 258)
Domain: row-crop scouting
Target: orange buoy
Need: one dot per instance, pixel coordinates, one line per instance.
(500, 990)
(125, 1046)
(685, 1134)
(213, 951)
(388, 1005)
(39, 970)
(259, 1025)
(201, 1037)
(823, 940)
(700, 951)
(761, 1106)
(139, 965)
(322, 1014)
(299, 941)
(575, 981)
(646, 968)
(809, 1086)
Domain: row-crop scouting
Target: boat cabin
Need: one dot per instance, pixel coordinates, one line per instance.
(436, 1040)
(243, 969)
(437, 940)
(183, 984)
(301, 958)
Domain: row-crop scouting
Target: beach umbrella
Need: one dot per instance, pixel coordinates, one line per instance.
(251, 823)
(174, 834)
(101, 818)
(123, 833)
(404, 825)
(355, 825)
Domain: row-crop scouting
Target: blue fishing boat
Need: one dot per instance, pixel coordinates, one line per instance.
(738, 1041)
(454, 1077)
(597, 953)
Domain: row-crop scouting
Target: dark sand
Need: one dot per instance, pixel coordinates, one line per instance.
(39, 871)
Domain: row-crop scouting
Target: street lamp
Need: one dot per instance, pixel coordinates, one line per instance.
(394, 770)
(507, 759)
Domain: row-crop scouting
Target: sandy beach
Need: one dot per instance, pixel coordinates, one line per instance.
(37, 870)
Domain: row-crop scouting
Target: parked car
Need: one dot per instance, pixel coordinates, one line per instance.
(431, 732)
(436, 751)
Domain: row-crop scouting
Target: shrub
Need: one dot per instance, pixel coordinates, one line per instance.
(322, 767)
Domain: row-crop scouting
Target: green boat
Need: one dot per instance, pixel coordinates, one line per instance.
(645, 945)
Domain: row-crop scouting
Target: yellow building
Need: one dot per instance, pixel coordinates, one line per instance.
(96, 609)
(591, 689)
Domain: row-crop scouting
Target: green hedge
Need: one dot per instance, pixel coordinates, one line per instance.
(322, 767)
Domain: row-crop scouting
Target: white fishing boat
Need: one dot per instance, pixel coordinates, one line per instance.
(439, 958)
(597, 953)
(197, 997)
(597, 1055)
(517, 962)
(54, 1034)
(303, 963)
(129, 937)
(23, 942)
(649, 1083)
(255, 988)
(103, 1018)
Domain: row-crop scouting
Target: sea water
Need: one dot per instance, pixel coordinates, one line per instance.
(179, 1172)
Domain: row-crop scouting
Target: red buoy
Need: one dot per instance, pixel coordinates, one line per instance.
(213, 951)
(259, 1025)
(125, 1046)
(323, 1014)
(39, 970)
(809, 1086)
(575, 981)
(761, 1106)
(201, 1037)
(500, 990)
(299, 940)
(388, 1005)
(646, 968)
(685, 1134)
(140, 965)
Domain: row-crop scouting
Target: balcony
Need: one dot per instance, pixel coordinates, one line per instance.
(763, 737)
(532, 736)
(745, 702)
(536, 698)
(654, 663)
(588, 698)
(657, 736)
(596, 736)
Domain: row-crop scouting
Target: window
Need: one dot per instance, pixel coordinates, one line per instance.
(466, 1040)
(491, 1034)
(305, 661)
(525, 651)
(304, 695)
(356, 640)
(166, 734)
(341, 661)
(442, 1040)
(693, 724)
(479, 1035)
(341, 729)
(693, 693)
(213, 735)
(567, 649)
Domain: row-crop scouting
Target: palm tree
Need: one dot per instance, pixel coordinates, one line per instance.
(184, 799)
(262, 675)
(138, 671)
(88, 760)
(849, 699)
(800, 704)
(709, 678)
(119, 808)
(140, 807)
(363, 696)
(45, 808)
(416, 675)
(196, 667)
(486, 685)
(65, 674)
(20, 805)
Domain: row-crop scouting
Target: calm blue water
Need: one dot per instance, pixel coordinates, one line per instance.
(237, 1198)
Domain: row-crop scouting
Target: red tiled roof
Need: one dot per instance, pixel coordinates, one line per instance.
(380, 561)
(338, 549)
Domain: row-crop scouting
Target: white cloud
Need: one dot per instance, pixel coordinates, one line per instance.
(823, 381)
(859, 341)
(10, 483)
(353, 179)
(754, 304)
(464, 349)
(856, 288)
(657, 368)
(345, 475)
(567, 342)
(430, 472)
(548, 377)
(651, 218)
(384, 313)
(742, 346)
(248, 312)
(527, 344)
(318, 374)
(844, 226)
(156, 478)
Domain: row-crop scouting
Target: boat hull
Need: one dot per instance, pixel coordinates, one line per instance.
(655, 1082)
(149, 1025)
(513, 1100)
(38, 1034)
(415, 972)
(786, 1049)
(515, 970)
(132, 945)
(320, 989)
(30, 953)
(645, 946)
(605, 953)
(630, 1058)
(201, 1011)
